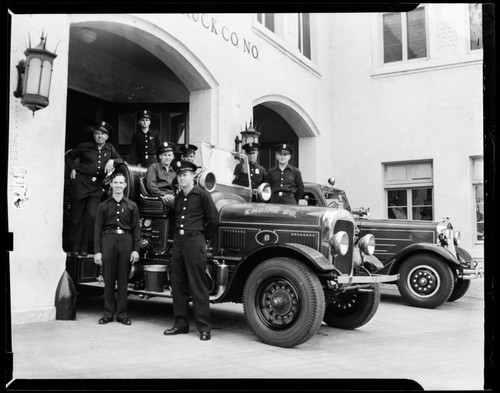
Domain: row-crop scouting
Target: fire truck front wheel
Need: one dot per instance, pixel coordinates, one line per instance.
(283, 302)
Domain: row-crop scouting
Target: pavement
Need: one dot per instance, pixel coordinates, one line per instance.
(83, 355)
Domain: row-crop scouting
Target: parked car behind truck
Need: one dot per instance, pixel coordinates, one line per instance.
(292, 267)
(433, 268)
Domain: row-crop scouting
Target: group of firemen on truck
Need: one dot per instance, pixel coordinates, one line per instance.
(170, 175)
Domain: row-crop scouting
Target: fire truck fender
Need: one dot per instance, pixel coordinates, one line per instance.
(422, 248)
(305, 254)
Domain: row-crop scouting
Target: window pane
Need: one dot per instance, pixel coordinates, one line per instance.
(422, 204)
(476, 26)
(417, 43)
(397, 204)
(393, 50)
(306, 36)
(269, 21)
(478, 190)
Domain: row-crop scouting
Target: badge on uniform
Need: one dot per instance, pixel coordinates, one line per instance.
(257, 171)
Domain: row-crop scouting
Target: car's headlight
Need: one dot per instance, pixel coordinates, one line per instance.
(339, 243)
(146, 223)
(367, 244)
(445, 237)
(263, 192)
(456, 238)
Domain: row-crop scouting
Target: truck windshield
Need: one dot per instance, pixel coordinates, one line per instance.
(223, 163)
(336, 198)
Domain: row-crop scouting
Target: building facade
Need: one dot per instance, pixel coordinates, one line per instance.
(390, 104)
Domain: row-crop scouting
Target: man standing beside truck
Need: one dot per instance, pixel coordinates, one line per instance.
(196, 222)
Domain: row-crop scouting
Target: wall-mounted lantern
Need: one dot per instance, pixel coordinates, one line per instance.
(34, 76)
(249, 135)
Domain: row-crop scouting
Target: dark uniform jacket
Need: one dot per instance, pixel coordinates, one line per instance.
(196, 212)
(117, 215)
(143, 146)
(288, 181)
(257, 175)
(92, 160)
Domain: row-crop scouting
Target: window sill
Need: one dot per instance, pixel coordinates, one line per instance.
(285, 48)
(424, 65)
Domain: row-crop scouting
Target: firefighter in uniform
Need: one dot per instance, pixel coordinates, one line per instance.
(188, 152)
(144, 143)
(96, 160)
(116, 246)
(160, 175)
(257, 171)
(196, 222)
(286, 182)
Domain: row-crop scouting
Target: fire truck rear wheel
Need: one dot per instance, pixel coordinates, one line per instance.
(353, 309)
(460, 289)
(283, 302)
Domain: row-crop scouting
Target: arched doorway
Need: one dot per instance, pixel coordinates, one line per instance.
(120, 65)
(280, 120)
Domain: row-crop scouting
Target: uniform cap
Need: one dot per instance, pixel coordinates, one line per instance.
(248, 147)
(166, 146)
(182, 166)
(103, 126)
(284, 147)
(186, 148)
(145, 114)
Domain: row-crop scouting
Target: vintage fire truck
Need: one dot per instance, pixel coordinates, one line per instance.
(292, 267)
(433, 268)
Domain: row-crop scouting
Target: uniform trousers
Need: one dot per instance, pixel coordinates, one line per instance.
(287, 198)
(116, 250)
(189, 278)
(85, 197)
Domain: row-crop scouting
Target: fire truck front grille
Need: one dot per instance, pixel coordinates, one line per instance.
(344, 263)
(233, 239)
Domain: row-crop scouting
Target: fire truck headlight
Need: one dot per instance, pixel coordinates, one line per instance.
(367, 244)
(339, 243)
(264, 192)
(456, 238)
(207, 181)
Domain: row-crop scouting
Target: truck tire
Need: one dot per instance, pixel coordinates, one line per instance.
(283, 302)
(460, 289)
(425, 281)
(352, 309)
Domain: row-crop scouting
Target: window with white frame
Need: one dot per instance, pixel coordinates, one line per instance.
(409, 191)
(404, 35)
(478, 191)
(476, 26)
(293, 28)
(268, 20)
(305, 35)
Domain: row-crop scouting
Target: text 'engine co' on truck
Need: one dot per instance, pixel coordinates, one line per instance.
(292, 267)
(433, 268)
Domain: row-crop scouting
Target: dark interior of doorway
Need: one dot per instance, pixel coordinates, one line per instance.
(274, 129)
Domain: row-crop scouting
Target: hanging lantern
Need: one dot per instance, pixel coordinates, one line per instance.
(34, 76)
(249, 135)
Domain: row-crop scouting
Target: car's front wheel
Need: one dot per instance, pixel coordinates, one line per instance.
(425, 281)
(352, 309)
(283, 302)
